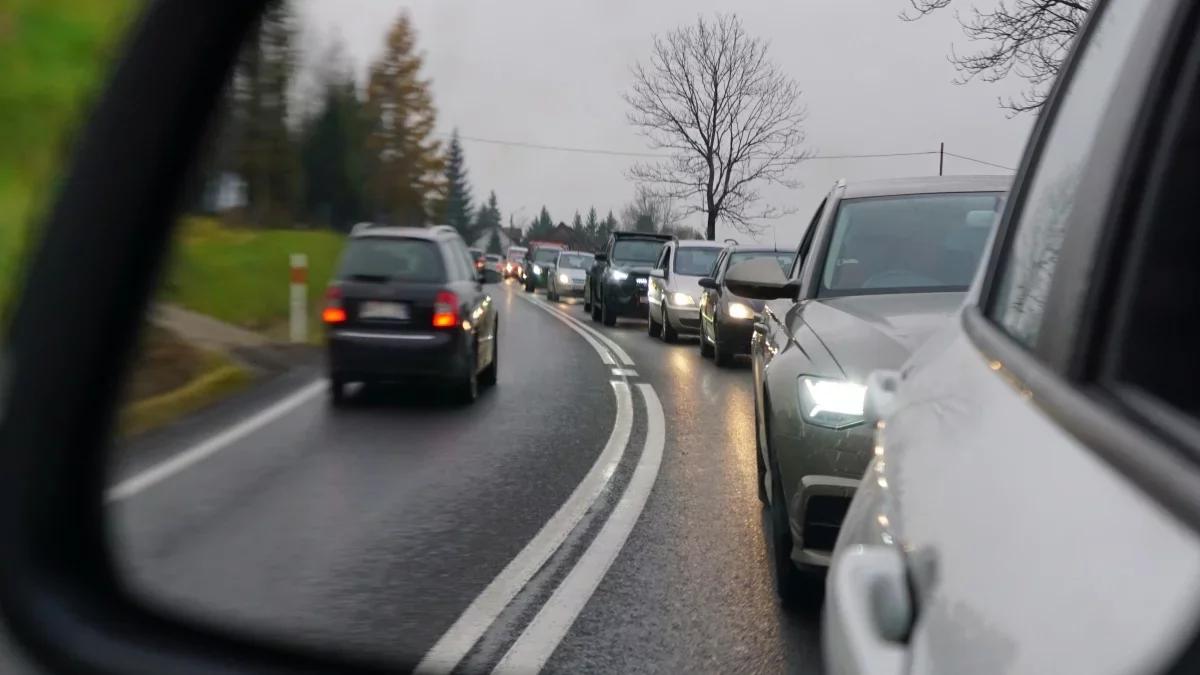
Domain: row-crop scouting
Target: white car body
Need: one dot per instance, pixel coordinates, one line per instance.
(674, 297)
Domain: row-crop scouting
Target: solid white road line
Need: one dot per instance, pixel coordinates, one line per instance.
(214, 444)
(540, 638)
(605, 356)
(616, 348)
(483, 611)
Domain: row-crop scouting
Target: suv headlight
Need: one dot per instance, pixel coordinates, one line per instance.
(740, 310)
(833, 404)
(617, 275)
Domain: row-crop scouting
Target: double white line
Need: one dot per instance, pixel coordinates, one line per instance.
(548, 628)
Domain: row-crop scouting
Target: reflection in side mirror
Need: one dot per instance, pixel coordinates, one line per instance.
(601, 257)
(708, 283)
(658, 273)
(760, 279)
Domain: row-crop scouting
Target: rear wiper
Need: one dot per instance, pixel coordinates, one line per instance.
(369, 278)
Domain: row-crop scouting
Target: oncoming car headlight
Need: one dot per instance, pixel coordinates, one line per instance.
(739, 310)
(537, 269)
(682, 299)
(564, 279)
(618, 275)
(833, 404)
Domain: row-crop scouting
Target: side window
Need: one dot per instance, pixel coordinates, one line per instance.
(1018, 299)
(465, 269)
(666, 258)
(806, 242)
(716, 268)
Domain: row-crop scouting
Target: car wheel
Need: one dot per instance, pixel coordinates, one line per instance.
(488, 377)
(721, 357)
(337, 391)
(587, 301)
(758, 456)
(669, 334)
(706, 349)
(607, 317)
(468, 390)
(790, 582)
(653, 328)
(528, 285)
(595, 308)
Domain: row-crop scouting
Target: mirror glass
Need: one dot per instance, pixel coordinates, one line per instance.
(331, 434)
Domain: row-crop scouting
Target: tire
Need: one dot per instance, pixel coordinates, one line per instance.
(467, 390)
(606, 315)
(551, 294)
(762, 466)
(337, 391)
(587, 301)
(528, 286)
(595, 309)
(721, 357)
(653, 328)
(791, 585)
(669, 334)
(488, 377)
(706, 350)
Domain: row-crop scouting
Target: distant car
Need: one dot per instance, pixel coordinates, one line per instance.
(514, 261)
(883, 265)
(407, 304)
(494, 264)
(619, 279)
(538, 262)
(569, 275)
(727, 320)
(479, 257)
(675, 291)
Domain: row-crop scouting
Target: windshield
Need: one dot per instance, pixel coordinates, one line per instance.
(635, 251)
(493, 258)
(695, 262)
(575, 261)
(546, 255)
(909, 244)
(417, 260)
(784, 259)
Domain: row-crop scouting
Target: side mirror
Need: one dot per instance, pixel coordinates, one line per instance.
(709, 283)
(601, 257)
(481, 276)
(658, 273)
(760, 279)
(880, 400)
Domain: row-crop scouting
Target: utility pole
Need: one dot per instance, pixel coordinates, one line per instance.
(941, 158)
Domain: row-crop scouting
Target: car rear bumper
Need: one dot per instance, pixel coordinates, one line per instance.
(376, 355)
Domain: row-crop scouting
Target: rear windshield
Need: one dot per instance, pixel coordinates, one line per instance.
(516, 255)
(493, 258)
(575, 261)
(695, 262)
(392, 258)
(546, 254)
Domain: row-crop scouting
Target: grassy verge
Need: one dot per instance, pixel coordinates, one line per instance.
(240, 276)
(171, 379)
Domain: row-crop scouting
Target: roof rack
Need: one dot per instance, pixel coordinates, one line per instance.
(444, 228)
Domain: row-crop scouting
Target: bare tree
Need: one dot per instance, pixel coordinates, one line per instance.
(1028, 38)
(730, 118)
(647, 205)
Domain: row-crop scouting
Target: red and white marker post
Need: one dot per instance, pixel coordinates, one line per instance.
(299, 304)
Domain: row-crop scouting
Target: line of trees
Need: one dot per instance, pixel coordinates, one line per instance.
(341, 152)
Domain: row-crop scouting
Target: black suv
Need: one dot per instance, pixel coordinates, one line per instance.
(408, 303)
(538, 262)
(616, 285)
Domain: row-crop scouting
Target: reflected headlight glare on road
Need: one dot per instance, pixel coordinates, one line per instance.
(835, 404)
(682, 299)
(537, 269)
(564, 279)
(739, 310)
(618, 275)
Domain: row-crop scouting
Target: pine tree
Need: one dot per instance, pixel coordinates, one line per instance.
(487, 218)
(543, 226)
(458, 206)
(408, 168)
(577, 223)
(591, 228)
(607, 227)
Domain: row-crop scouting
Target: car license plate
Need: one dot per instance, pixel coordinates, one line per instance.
(384, 310)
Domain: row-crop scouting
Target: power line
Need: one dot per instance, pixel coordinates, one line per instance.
(654, 155)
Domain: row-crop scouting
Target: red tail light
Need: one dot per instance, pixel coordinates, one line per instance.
(333, 312)
(445, 310)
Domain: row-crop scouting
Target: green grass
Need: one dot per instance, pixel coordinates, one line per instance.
(241, 276)
(54, 56)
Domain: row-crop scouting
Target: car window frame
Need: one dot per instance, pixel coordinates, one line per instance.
(1048, 375)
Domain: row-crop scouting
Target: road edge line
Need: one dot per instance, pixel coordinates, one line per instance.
(622, 355)
(553, 621)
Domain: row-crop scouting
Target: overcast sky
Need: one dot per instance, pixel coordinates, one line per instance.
(551, 72)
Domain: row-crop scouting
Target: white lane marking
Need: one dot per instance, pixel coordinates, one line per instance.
(616, 348)
(214, 444)
(483, 611)
(540, 638)
(624, 372)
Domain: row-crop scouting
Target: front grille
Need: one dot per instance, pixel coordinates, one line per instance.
(823, 515)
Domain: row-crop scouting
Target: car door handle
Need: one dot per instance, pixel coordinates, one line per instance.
(868, 612)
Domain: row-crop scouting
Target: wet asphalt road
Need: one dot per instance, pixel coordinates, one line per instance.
(373, 528)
